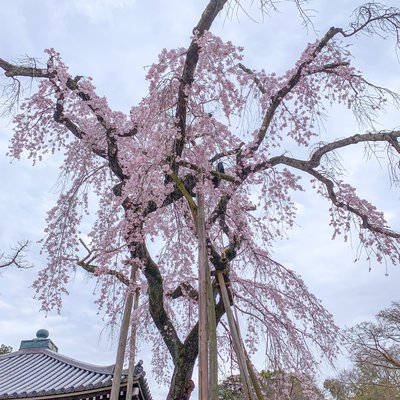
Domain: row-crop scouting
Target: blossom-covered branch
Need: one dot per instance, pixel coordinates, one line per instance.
(209, 14)
(138, 176)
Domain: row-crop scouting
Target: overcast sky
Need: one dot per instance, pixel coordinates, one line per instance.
(112, 41)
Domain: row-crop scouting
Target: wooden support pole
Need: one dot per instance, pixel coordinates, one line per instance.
(253, 378)
(123, 334)
(212, 340)
(237, 344)
(203, 339)
(250, 368)
(131, 369)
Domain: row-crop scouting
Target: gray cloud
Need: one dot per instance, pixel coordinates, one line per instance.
(112, 41)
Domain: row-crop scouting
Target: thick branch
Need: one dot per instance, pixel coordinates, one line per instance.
(185, 289)
(191, 343)
(73, 84)
(156, 303)
(192, 56)
(155, 293)
(13, 71)
(314, 161)
(112, 153)
(73, 128)
(91, 268)
(390, 137)
(112, 145)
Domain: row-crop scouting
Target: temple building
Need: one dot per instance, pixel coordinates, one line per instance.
(38, 372)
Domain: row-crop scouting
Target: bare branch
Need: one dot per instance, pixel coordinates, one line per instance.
(17, 257)
(390, 137)
(11, 70)
(375, 19)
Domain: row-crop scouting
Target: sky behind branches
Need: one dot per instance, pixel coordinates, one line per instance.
(113, 41)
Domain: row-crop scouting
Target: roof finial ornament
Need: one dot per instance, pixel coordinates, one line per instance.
(139, 368)
(42, 334)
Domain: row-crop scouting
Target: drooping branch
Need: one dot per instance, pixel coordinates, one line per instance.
(155, 292)
(277, 98)
(309, 166)
(365, 218)
(91, 268)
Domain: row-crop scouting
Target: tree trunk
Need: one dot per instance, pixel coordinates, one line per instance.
(182, 385)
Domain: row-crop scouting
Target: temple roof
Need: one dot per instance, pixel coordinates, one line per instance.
(39, 371)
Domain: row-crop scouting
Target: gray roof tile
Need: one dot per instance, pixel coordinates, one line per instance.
(40, 372)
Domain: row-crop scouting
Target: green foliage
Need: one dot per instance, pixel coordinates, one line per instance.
(276, 385)
(361, 383)
(5, 349)
(230, 389)
(375, 352)
(266, 374)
